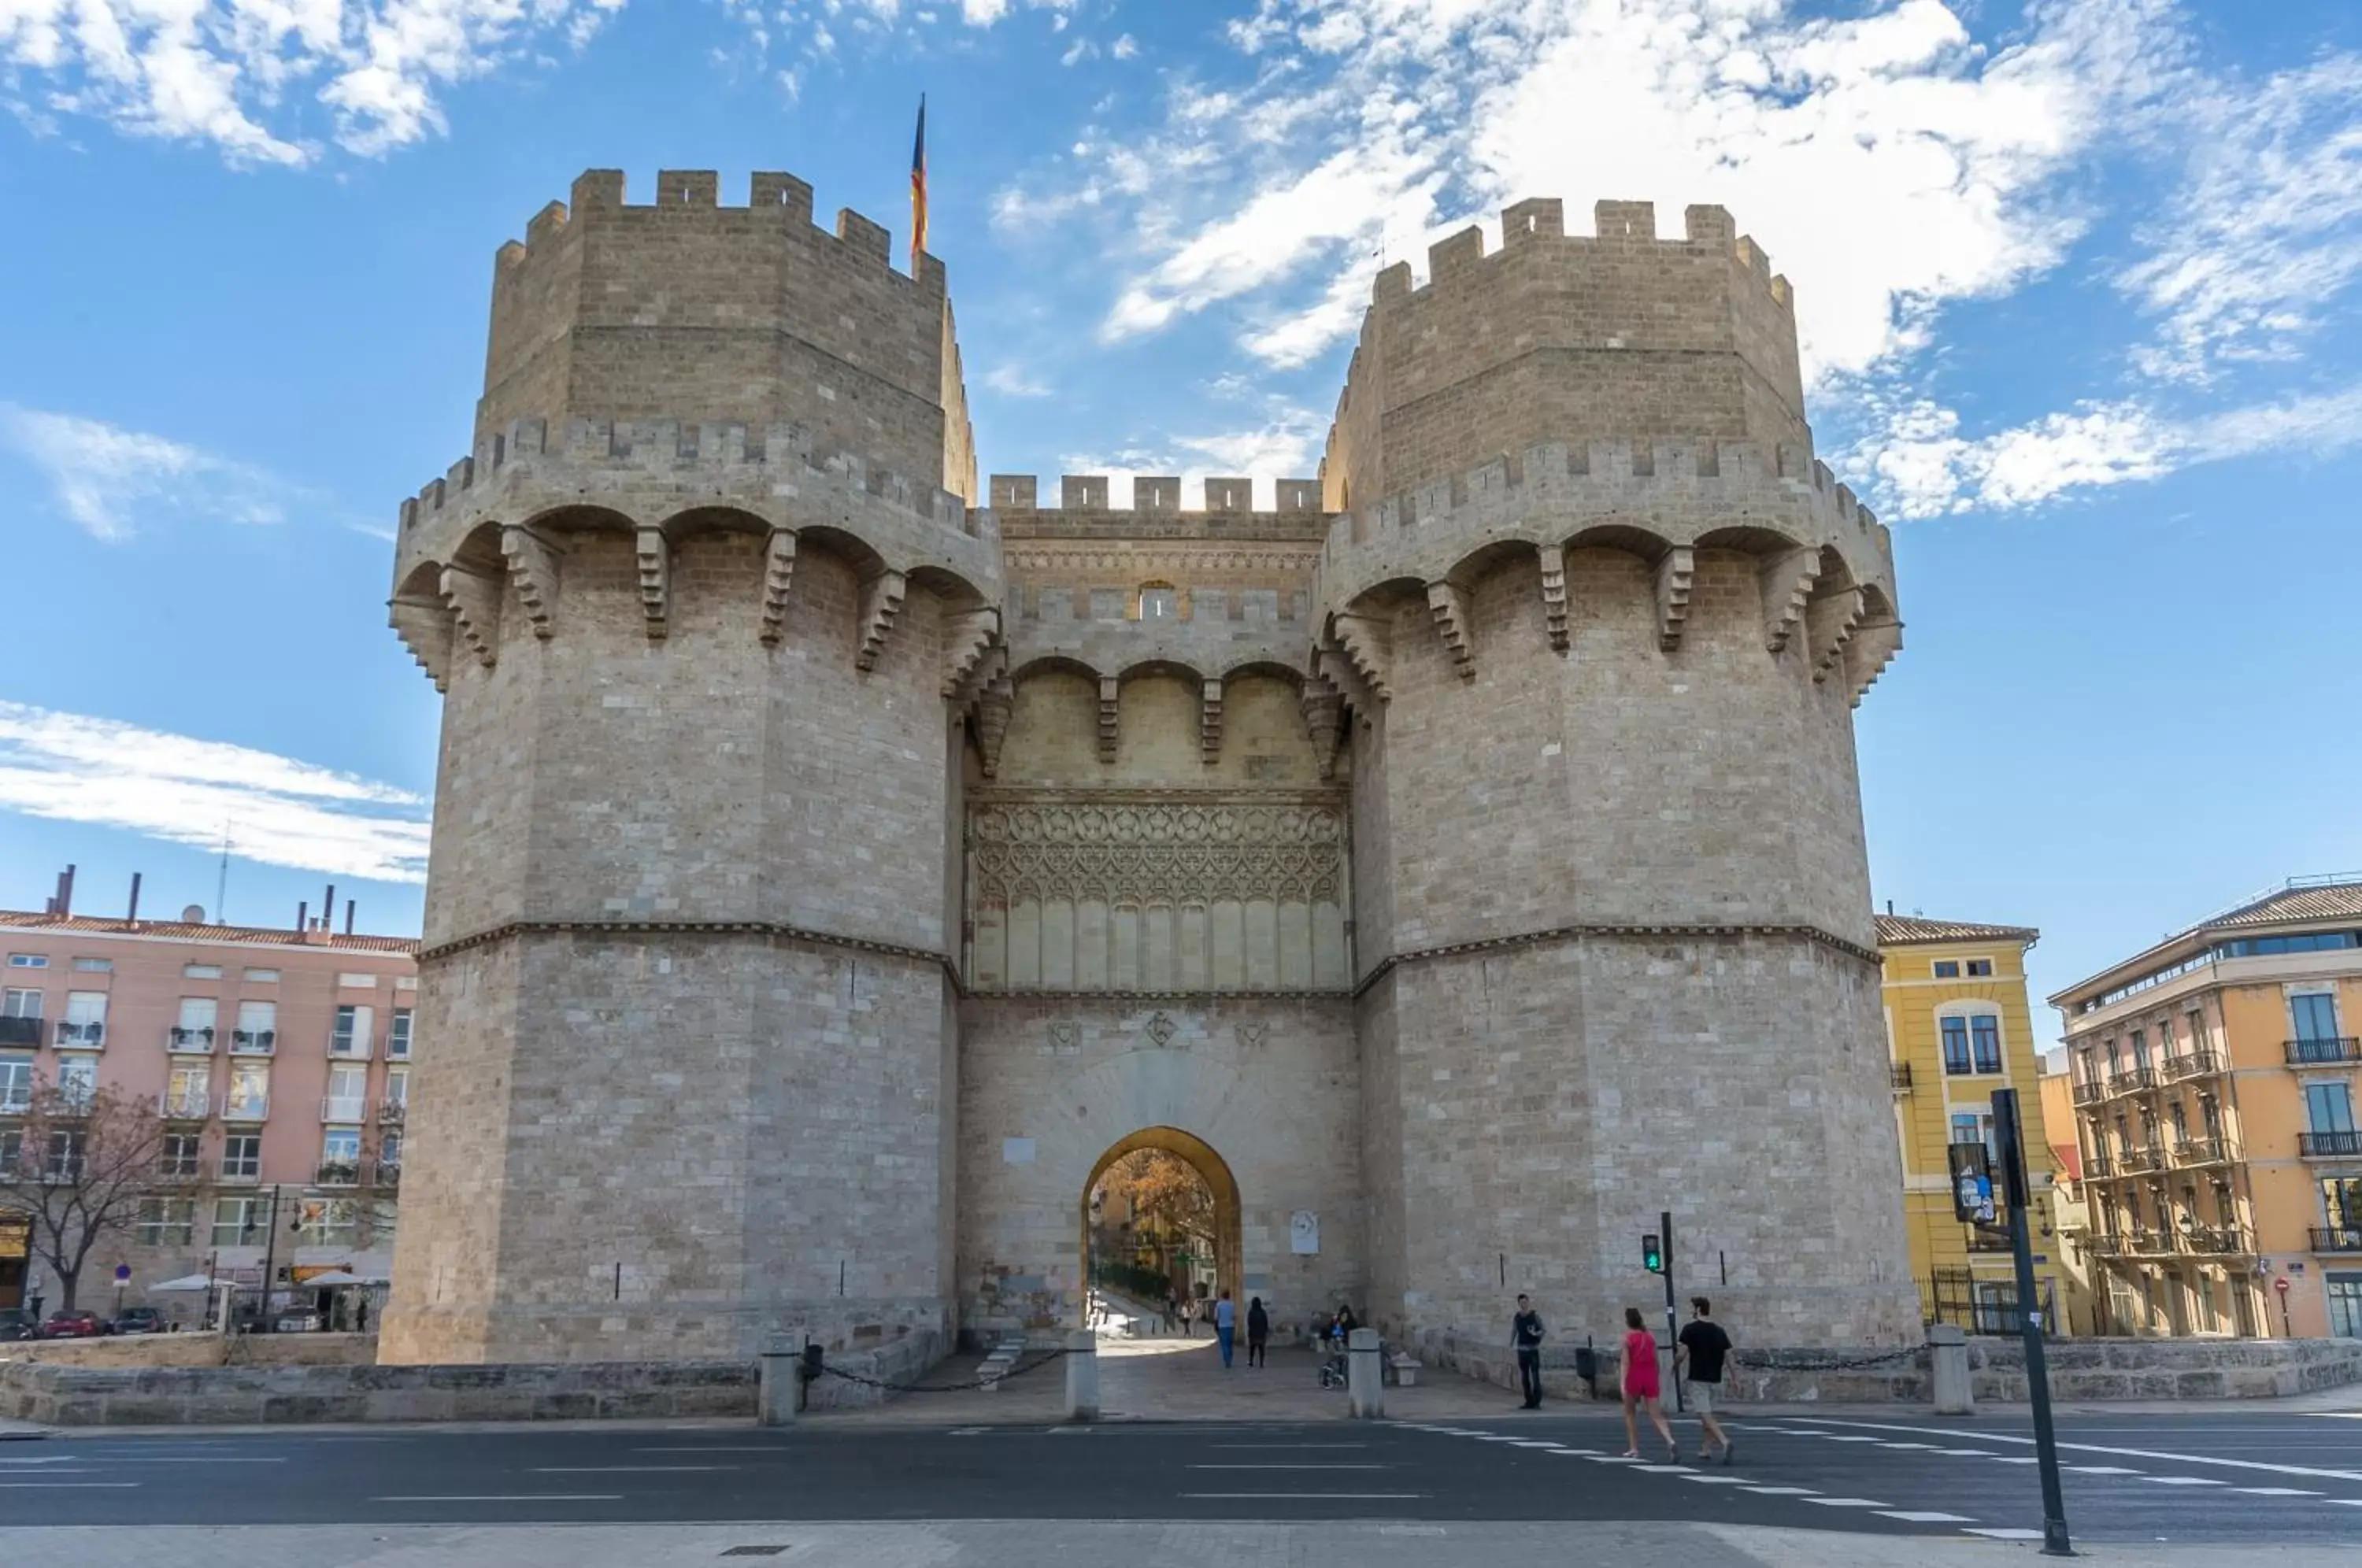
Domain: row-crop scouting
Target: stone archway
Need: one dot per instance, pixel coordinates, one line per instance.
(1211, 1169)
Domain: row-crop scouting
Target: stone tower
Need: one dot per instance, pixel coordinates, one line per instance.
(1456, 857)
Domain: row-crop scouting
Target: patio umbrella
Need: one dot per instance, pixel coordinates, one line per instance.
(186, 1282)
(336, 1276)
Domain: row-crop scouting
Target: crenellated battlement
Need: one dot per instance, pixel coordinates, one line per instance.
(1151, 495)
(1461, 260)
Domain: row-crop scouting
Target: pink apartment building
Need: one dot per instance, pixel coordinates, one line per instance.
(280, 1061)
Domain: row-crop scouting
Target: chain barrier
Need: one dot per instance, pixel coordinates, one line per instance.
(1017, 1369)
(1810, 1361)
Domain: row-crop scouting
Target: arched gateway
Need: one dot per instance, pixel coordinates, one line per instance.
(1221, 1186)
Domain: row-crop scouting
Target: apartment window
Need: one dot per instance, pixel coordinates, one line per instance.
(94, 966)
(78, 1078)
(64, 1161)
(189, 1091)
(2313, 1015)
(2210, 1111)
(12, 1151)
(2140, 1048)
(2341, 1203)
(20, 1003)
(29, 961)
(327, 1221)
(2165, 1038)
(239, 1222)
(2180, 1120)
(1979, 968)
(249, 1091)
(397, 1035)
(348, 1098)
(340, 1155)
(1984, 1037)
(2123, 1134)
(1973, 1127)
(16, 1082)
(200, 972)
(351, 1035)
(406, 982)
(1954, 1031)
(241, 1161)
(2091, 1065)
(2344, 1305)
(397, 1087)
(179, 1158)
(85, 1020)
(2328, 1108)
(263, 976)
(167, 1222)
(257, 1027)
(354, 979)
(389, 1155)
(2115, 1059)
(1971, 1041)
(2195, 1024)
(1948, 968)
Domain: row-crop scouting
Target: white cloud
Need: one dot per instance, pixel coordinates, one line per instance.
(1014, 381)
(238, 73)
(1285, 444)
(1927, 468)
(280, 812)
(1125, 47)
(108, 479)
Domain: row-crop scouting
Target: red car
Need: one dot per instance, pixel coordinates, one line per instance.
(73, 1326)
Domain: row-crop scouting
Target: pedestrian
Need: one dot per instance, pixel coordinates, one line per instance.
(1640, 1388)
(1525, 1335)
(1189, 1319)
(1346, 1321)
(1226, 1326)
(1258, 1332)
(360, 1316)
(1172, 1309)
(1703, 1348)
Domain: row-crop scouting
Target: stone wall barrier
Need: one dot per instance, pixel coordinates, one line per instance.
(1948, 1353)
(1082, 1375)
(1365, 1376)
(779, 1385)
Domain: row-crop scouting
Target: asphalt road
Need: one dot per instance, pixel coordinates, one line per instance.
(2209, 1477)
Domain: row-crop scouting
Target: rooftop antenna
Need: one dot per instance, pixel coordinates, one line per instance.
(221, 882)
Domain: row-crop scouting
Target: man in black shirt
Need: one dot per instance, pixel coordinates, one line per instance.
(1526, 1334)
(1698, 1359)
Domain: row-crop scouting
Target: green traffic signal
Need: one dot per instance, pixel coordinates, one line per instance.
(1652, 1253)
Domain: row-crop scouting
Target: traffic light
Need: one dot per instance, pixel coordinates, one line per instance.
(1652, 1253)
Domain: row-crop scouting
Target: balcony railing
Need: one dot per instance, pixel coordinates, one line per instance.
(2132, 1080)
(392, 1111)
(189, 1042)
(2090, 1091)
(253, 1042)
(2200, 1152)
(15, 1099)
(2105, 1244)
(2099, 1168)
(235, 1176)
(2337, 1239)
(246, 1108)
(343, 1108)
(2147, 1244)
(338, 1173)
(185, 1106)
(1898, 1077)
(349, 1047)
(2195, 1065)
(2214, 1241)
(2149, 1158)
(388, 1173)
(85, 1036)
(2347, 1144)
(16, 1031)
(2327, 1052)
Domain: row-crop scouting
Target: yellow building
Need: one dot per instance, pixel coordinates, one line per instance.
(2213, 1080)
(1957, 1027)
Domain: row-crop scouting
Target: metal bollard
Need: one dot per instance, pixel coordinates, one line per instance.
(1948, 1355)
(777, 1382)
(1083, 1375)
(1365, 1390)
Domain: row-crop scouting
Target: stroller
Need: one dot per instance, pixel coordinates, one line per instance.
(1333, 1368)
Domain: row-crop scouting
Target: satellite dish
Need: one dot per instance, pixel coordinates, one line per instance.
(193, 914)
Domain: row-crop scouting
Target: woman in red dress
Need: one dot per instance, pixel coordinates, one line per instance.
(1640, 1386)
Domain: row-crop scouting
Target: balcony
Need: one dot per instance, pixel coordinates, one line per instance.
(2218, 1242)
(390, 1112)
(2345, 1146)
(1898, 1077)
(2148, 1157)
(2104, 1245)
(183, 1105)
(1987, 1242)
(2326, 1053)
(348, 1048)
(388, 1173)
(2148, 1243)
(80, 1036)
(16, 1031)
(2195, 1065)
(2133, 1080)
(246, 1108)
(15, 1099)
(253, 1042)
(2099, 1168)
(2090, 1091)
(189, 1042)
(2201, 1152)
(240, 1175)
(2337, 1239)
(338, 1173)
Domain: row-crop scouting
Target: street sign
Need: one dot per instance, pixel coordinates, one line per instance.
(1972, 1185)
(122, 1273)
(2281, 1285)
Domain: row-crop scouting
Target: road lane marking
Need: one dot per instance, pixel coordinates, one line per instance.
(1780, 1491)
(1305, 1496)
(1277, 1447)
(1534, 1443)
(2012, 1459)
(720, 1448)
(1924, 1515)
(1980, 1452)
(1839, 1437)
(1846, 1503)
(1929, 1446)
(1663, 1468)
(2103, 1448)
(2275, 1491)
(2103, 1469)
(1282, 1466)
(1580, 1452)
(627, 1469)
(2181, 1481)
(65, 1485)
(1714, 1480)
(506, 1498)
(1610, 1458)
(2006, 1534)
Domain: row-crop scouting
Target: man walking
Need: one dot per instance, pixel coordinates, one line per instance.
(1702, 1348)
(1226, 1326)
(1526, 1334)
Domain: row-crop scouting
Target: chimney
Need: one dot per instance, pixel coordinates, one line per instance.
(350, 904)
(61, 902)
(329, 910)
(302, 917)
(131, 916)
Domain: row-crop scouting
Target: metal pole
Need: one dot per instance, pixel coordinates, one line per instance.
(1673, 1326)
(269, 1261)
(2055, 1542)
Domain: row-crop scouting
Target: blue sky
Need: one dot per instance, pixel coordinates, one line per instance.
(2077, 281)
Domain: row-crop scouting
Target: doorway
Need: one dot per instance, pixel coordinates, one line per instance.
(1161, 1211)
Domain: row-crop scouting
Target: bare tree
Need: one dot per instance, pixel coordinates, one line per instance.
(84, 1158)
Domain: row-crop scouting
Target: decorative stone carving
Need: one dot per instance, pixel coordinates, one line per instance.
(1110, 694)
(1787, 590)
(881, 600)
(1367, 645)
(966, 635)
(778, 575)
(1323, 712)
(1209, 722)
(655, 580)
(1450, 607)
(1675, 576)
(533, 569)
(425, 627)
(1252, 1035)
(1830, 624)
(474, 600)
(1554, 594)
(1157, 851)
(1162, 1030)
(993, 706)
(1066, 1037)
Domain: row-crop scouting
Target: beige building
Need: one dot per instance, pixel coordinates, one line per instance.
(278, 1062)
(2214, 1076)
(1456, 856)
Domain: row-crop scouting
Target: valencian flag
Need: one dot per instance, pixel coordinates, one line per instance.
(919, 190)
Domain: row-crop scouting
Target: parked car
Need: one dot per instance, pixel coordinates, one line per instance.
(77, 1325)
(15, 1323)
(298, 1323)
(137, 1321)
